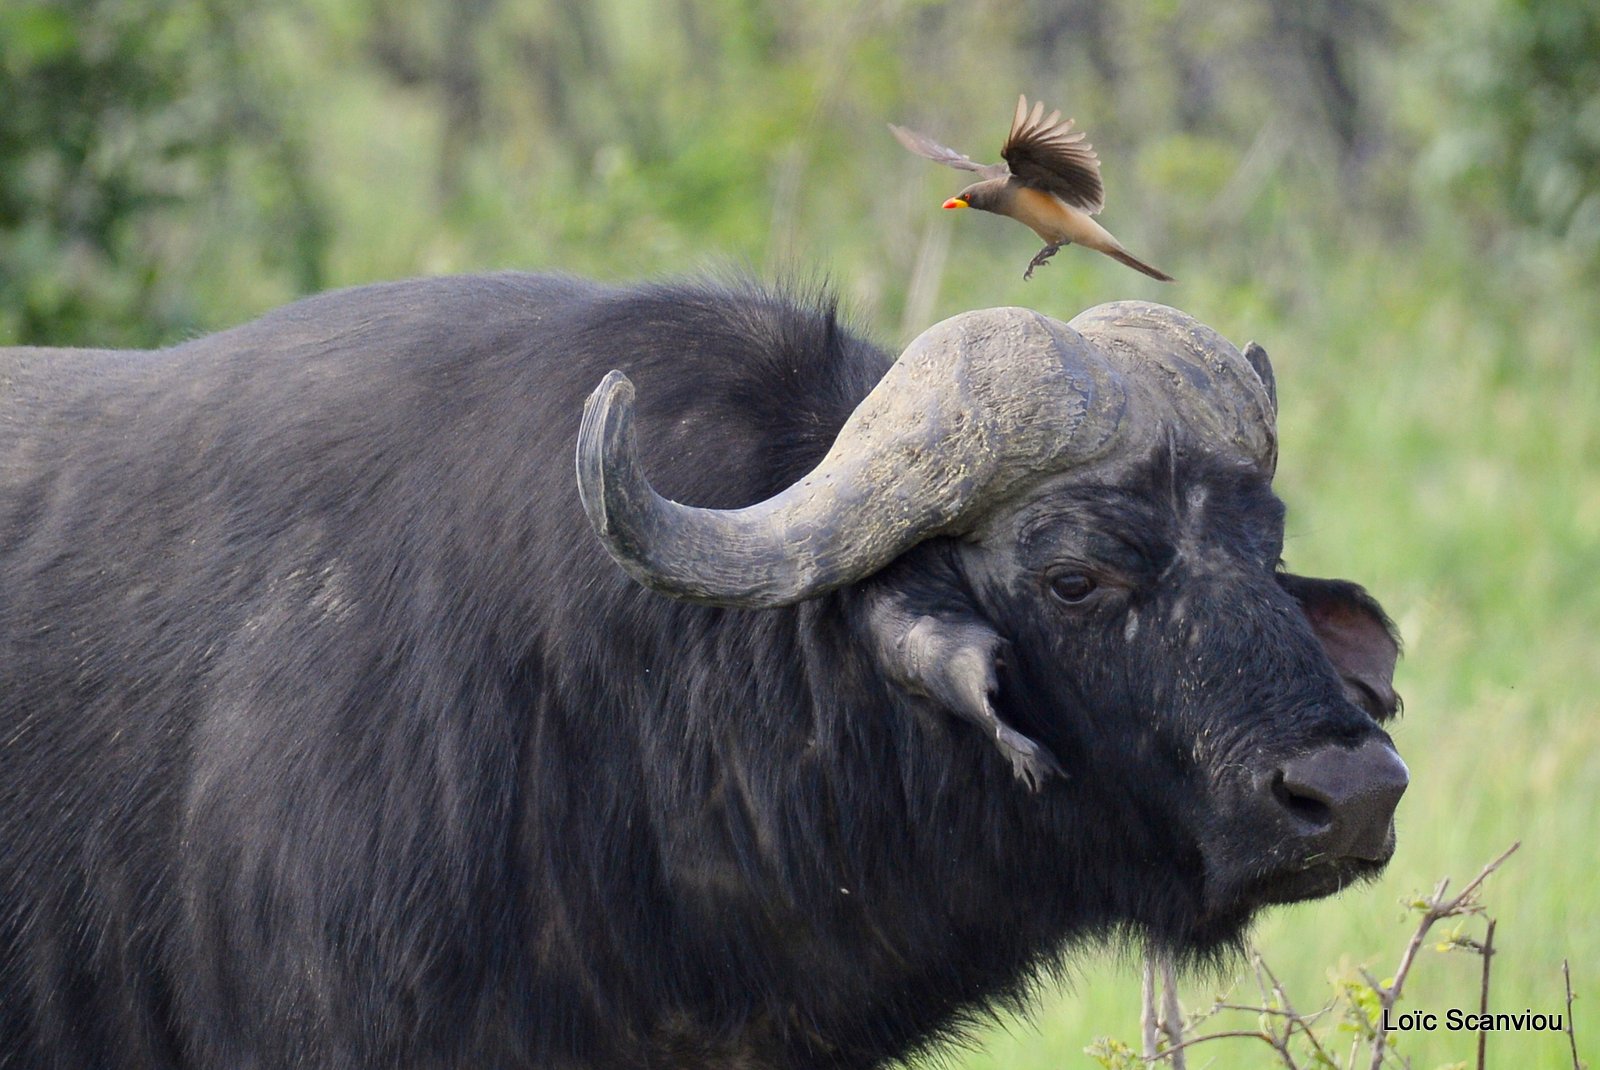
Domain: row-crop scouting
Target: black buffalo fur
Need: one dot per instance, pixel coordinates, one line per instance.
(331, 737)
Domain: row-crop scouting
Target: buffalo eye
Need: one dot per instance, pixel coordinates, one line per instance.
(1072, 588)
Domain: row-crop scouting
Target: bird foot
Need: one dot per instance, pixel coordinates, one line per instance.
(1040, 257)
(1031, 762)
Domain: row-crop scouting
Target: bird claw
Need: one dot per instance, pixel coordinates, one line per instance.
(1031, 763)
(1039, 258)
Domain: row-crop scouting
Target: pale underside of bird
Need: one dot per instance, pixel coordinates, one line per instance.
(1050, 181)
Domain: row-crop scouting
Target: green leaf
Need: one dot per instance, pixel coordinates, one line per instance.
(1113, 1054)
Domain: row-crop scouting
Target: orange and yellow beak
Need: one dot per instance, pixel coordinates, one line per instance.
(955, 202)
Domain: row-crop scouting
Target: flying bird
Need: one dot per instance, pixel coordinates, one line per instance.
(1050, 180)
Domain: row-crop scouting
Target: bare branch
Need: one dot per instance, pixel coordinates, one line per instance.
(1295, 1019)
(1172, 1013)
(1280, 1043)
(1256, 962)
(1147, 1012)
(1483, 874)
(1435, 908)
(1487, 951)
(1257, 1034)
(1278, 1019)
(1572, 1039)
(1220, 1004)
(1276, 1012)
(1160, 1013)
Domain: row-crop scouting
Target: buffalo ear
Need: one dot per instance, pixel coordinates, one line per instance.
(951, 657)
(1358, 635)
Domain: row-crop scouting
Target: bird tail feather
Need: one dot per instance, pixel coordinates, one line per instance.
(1134, 262)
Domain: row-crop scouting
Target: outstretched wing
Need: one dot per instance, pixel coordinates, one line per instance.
(1045, 153)
(926, 146)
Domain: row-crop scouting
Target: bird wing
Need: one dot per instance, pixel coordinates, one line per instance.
(926, 146)
(1045, 153)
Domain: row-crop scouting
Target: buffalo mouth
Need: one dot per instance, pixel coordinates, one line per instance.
(1232, 899)
(1315, 881)
(1234, 894)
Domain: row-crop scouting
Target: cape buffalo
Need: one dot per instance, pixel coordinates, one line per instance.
(331, 736)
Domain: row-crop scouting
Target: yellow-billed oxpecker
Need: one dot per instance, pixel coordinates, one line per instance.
(1050, 180)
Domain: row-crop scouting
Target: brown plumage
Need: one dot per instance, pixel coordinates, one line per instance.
(1050, 181)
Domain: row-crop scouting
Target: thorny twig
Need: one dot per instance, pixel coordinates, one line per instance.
(1435, 908)
(1487, 951)
(1278, 1018)
(1172, 1013)
(1249, 1034)
(1280, 1043)
(1267, 1035)
(1167, 1018)
(1294, 1019)
(1572, 1039)
(1147, 1009)
(1306, 1019)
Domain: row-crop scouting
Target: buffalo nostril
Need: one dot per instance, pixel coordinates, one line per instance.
(1347, 794)
(1308, 807)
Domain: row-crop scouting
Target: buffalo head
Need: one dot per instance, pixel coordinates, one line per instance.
(1066, 535)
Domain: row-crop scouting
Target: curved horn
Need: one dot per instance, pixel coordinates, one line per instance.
(1257, 356)
(1190, 379)
(974, 407)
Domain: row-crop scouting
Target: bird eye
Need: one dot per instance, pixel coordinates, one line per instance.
(1073, 588)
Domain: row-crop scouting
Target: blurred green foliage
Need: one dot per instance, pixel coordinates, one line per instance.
(124, 129)
(1401, 200)
(171, 165)
(1524, 126)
